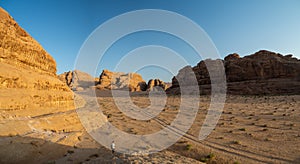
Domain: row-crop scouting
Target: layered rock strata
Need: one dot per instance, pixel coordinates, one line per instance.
(263, 72)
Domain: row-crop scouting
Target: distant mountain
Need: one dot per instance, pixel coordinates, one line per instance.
(108, 80)
(153, 83)
(77, 80)
(118, 80)
(263, 72)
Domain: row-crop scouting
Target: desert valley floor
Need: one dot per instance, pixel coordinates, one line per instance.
(252, 129)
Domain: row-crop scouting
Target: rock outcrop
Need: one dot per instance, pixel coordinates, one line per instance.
(264, 72)
(18, 48)
(29, 86)
(118, 80)
(153, 83)
(261, 66)
(77, 80)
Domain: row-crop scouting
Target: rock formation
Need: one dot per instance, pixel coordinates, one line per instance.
(118, 80)
(153, 83)
(261, 66)
(16, 41)
(77, 80)
(264, 72)
(29, 86)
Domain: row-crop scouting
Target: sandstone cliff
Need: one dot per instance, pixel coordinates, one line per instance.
(20, 49)
(153, 83)
(28, 84)
(78, 80)
(118, 80)
(263, 72)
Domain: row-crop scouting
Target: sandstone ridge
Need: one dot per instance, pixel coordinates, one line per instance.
(263, 72)
(19, 49)
(29, 87)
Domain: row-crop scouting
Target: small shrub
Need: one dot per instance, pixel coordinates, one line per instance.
(94, 156)
(188, 147)
(292, 124)
(203, 159)
(236, 142)
(210, 156)
(182, 142)
(207, 158)
(265, 125)
(70, 151)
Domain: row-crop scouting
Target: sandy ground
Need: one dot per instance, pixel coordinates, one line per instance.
(252, 129)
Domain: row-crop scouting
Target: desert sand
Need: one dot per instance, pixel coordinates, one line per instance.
(252, 129)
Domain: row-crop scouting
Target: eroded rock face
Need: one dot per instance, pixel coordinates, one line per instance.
(77, 80)
(264, 72)
(28, 73)
(18, 48)
(152, 83)
(118, 80)
(260, 66)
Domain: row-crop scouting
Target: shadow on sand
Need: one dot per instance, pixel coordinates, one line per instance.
(19, 149)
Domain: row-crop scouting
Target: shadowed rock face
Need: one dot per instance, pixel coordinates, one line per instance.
(118, 80)
(264, 72)
(27, 72)
(261, 66)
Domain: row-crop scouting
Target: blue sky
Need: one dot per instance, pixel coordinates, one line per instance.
(244, 27)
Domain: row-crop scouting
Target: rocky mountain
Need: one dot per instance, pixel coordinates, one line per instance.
(153, 83)
(118, 80)
(26, 66)
(29, 87)
(263, 72)
(77, 80)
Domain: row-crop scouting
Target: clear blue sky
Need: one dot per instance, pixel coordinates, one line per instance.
(244, 27)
